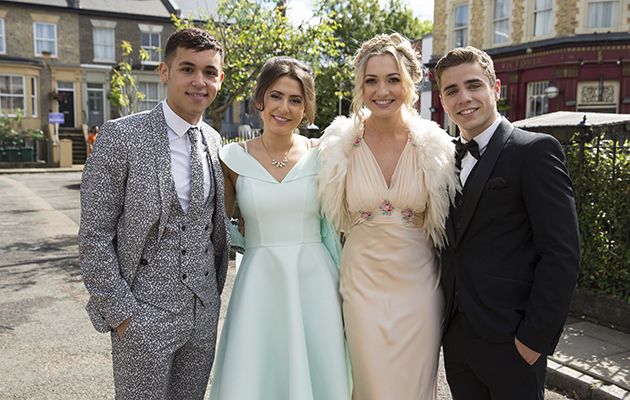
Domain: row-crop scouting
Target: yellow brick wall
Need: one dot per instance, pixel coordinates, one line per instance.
(518, 21)
(440, 24)
(569, 21)
(477, 25)
(566, 12)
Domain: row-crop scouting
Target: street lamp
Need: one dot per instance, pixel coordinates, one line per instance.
(585, 134)
(585, 130)
(552, 91)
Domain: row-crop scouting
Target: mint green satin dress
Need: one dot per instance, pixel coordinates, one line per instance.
(283, 335)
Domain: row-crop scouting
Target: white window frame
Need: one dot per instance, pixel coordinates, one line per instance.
(614, 17)
(153, 101)
(37, 39)
(34, 91)
(496, 20)
(11, 95)
(503, 91)
(106, 47)
(152, 48)
(3, 37)
(535, 93)
(464, 29)
(536, 13)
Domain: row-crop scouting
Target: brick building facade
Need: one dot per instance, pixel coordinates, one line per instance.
(550, 55)
(58, 55)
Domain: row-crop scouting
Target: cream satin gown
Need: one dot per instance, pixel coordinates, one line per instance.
(389, 282)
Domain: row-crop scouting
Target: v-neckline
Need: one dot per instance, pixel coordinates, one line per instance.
(378, 167)
(302, 157)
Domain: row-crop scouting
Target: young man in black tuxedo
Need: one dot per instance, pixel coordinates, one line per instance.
(513, 256)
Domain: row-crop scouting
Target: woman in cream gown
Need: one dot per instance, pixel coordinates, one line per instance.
(386, 181)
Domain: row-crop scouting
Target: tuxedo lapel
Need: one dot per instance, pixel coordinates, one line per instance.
(159, 135)
(477, 181)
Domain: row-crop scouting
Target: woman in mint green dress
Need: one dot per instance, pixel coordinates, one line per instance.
(283, 335)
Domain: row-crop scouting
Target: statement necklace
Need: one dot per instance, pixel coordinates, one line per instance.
(282, 163)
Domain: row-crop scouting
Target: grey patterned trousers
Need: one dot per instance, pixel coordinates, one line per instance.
(164, 355)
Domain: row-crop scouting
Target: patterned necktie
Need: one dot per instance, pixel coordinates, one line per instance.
(471, 147)
(196, 168)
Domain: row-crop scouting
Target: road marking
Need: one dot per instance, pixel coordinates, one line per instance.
(52, 222)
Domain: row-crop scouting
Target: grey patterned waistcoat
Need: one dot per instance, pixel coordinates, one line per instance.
(183, 264)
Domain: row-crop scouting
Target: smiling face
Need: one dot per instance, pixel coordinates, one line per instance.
(469, 98)
(283, 106)
(193, 79)
(383, 89)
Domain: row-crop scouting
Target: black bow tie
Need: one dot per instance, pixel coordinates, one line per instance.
(471, 147)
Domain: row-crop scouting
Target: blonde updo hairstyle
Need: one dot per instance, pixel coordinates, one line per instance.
(408, 66)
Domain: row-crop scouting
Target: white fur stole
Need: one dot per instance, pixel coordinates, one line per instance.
(434, 152)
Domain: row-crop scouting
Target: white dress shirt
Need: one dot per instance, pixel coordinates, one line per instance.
(180, 156)
(469, 162)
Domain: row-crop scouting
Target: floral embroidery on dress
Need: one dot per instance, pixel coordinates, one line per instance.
(357, 141)
(386, 208)
(366, 215)
(407, 214)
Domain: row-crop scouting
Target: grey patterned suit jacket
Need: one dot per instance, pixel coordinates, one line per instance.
(126, 194)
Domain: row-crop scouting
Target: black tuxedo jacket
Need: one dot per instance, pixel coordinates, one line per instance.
(513, 253)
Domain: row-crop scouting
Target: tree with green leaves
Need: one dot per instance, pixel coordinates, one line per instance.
(355, 22)
(600, 170)
(124, 94)
(253, 31)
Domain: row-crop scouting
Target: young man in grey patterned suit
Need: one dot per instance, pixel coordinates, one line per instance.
(153, 241)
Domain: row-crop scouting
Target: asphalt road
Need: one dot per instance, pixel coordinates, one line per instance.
(48, 348)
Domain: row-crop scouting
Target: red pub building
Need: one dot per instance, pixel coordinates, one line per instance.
(550, 55)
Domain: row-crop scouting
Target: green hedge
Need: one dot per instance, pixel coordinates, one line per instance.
(601, 176)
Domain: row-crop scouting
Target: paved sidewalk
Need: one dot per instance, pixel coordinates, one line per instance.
(10, 171)
(591, 362)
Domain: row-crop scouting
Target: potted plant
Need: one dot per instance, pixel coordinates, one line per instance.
(27, 139)
(16, 140)
(8, 140)
(53, 95)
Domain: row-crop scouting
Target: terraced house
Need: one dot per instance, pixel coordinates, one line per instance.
(550, 55)
(57, 56)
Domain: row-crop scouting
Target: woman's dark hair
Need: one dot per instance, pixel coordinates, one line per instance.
(278, 67)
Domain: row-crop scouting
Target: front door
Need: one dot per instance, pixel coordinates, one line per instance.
(65, 96)
(96, 105)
